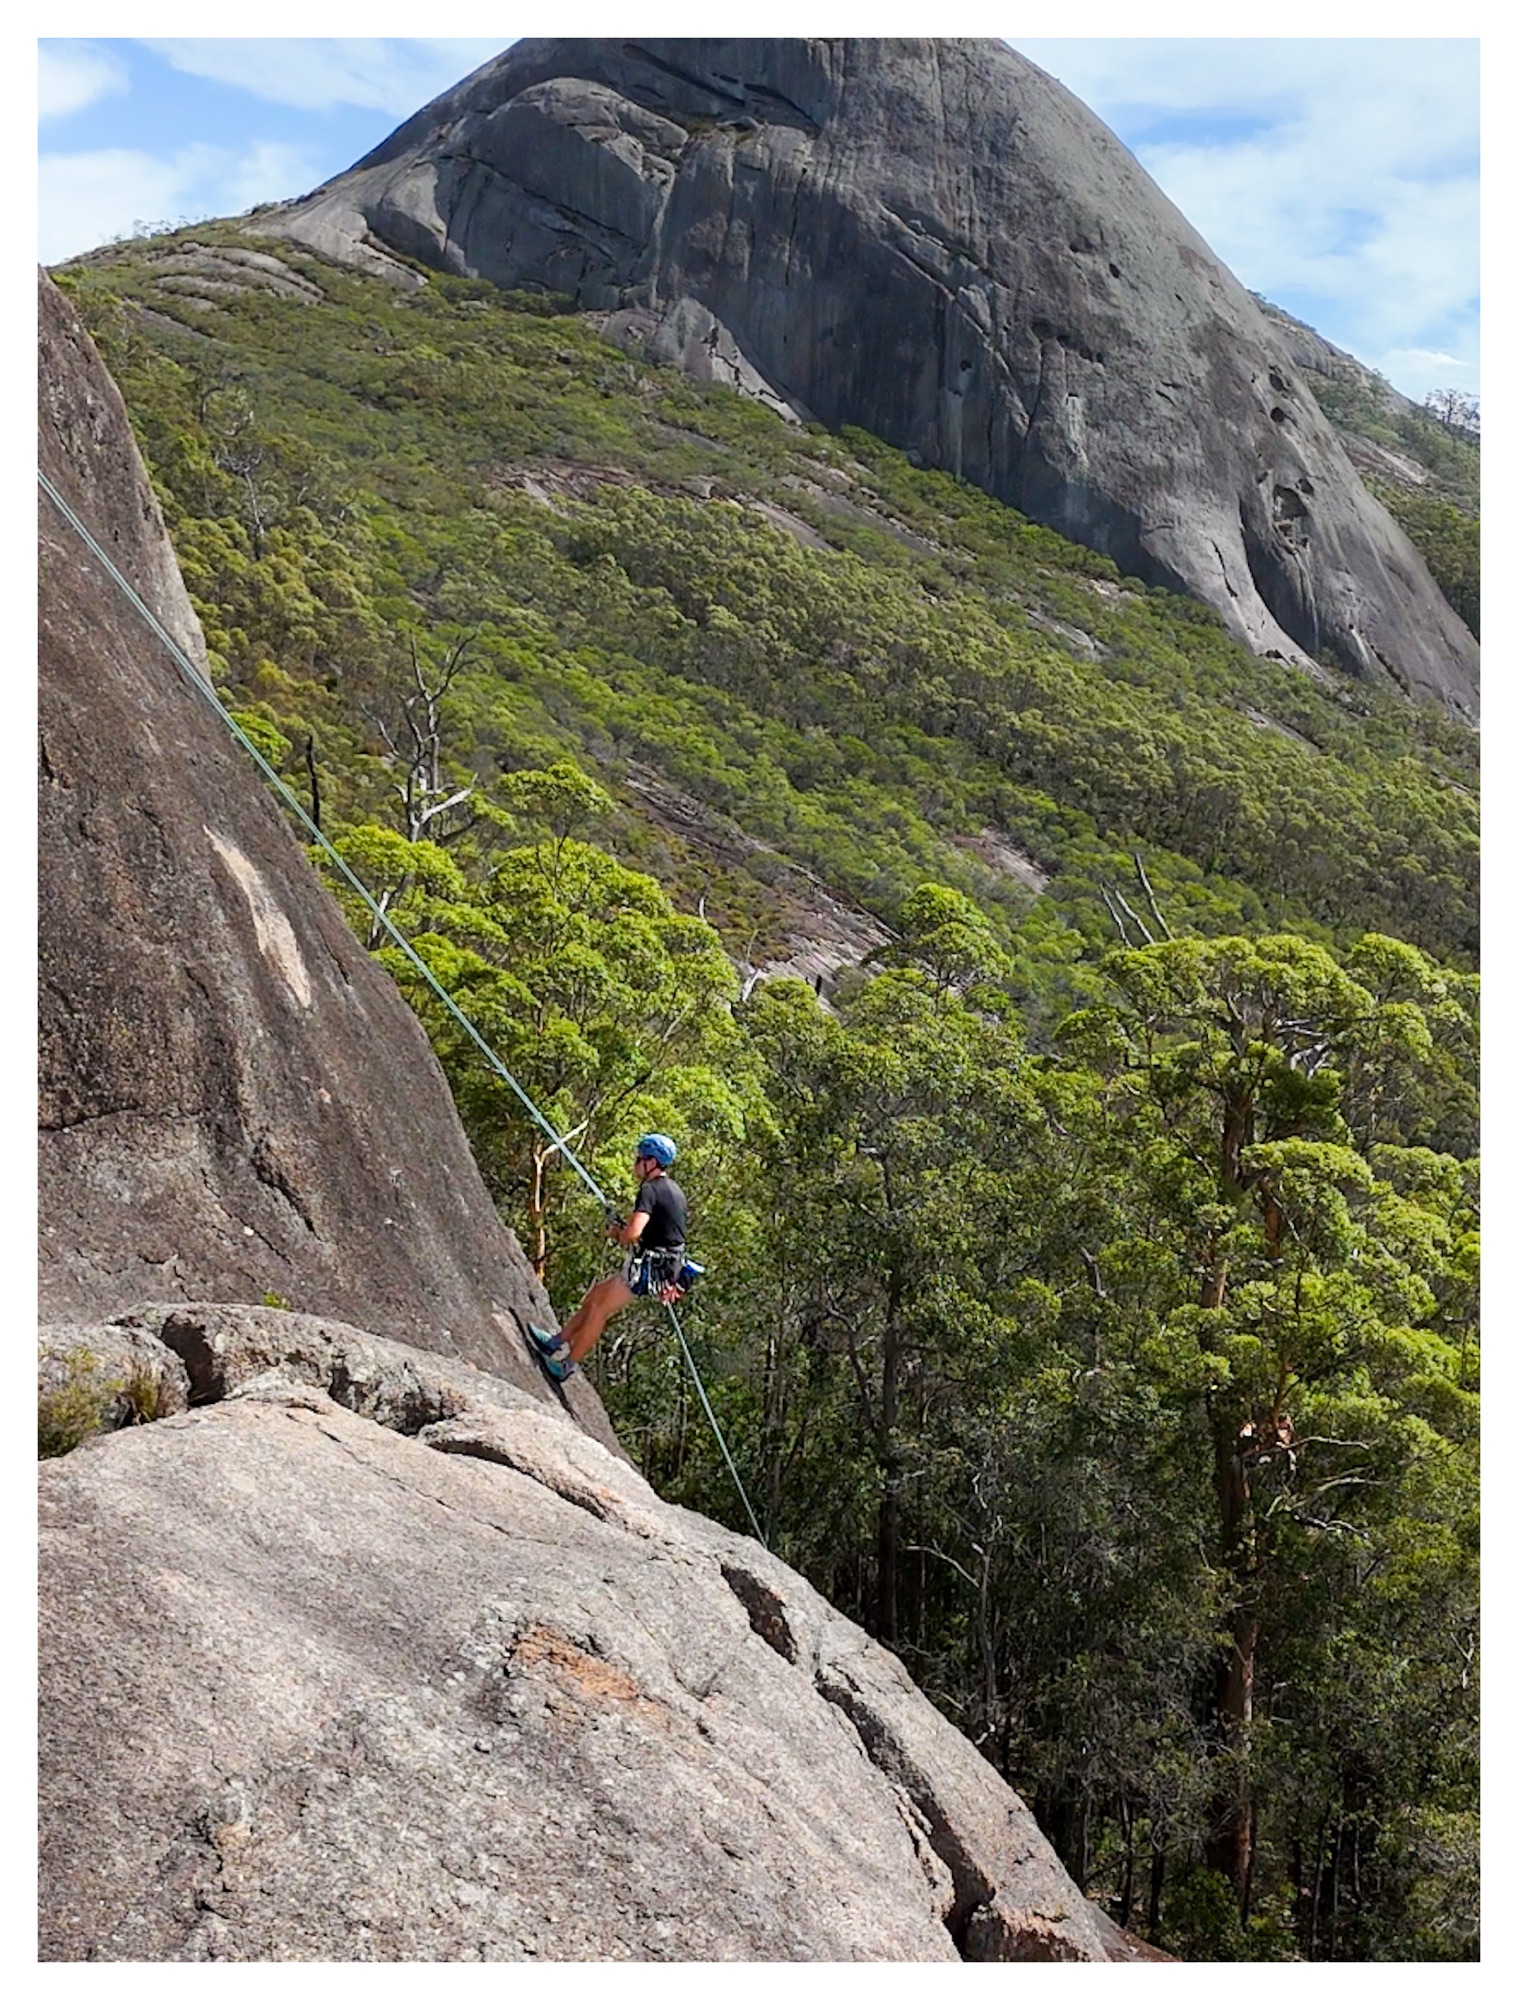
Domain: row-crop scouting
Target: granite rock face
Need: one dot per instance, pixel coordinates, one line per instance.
(234, 1099)
(934, 240)
(369, 1657)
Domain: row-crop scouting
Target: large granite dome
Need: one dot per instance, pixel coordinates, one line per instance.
(934, 240)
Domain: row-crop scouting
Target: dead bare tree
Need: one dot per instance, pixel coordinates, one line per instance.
(1154, 908)
(1456, 410)
(238, 447)
(414, 738)
(411, 727)
(1119, 909)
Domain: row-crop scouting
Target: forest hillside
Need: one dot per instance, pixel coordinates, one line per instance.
(1092, 1221)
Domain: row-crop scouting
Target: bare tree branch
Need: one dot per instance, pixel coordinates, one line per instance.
(1133, 915)
(1138, 862)
(1112, 912)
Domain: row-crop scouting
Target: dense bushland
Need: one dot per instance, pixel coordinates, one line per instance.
(350, 482)
(1093, 1280)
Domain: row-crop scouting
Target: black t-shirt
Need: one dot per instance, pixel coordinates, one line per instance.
(664, 1205)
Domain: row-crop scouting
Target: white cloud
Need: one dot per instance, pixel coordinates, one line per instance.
(269, 172)
(86, 199)
(71, 75)
(1273, 77)
(393, 76)
(1339, 177)
(1429, 357)
(1418, 370)
(1280, 216)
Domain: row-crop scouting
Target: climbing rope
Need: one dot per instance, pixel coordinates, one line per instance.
(207, 691)
(711, 1417)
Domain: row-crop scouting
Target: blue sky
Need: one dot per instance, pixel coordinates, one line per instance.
(1338, 176)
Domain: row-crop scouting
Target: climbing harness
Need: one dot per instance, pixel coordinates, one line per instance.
(649, 1273)
(204, 688)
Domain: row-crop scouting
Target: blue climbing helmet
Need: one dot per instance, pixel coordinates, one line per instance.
(656, 1146)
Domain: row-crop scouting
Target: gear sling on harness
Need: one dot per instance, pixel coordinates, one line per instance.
(650, 1273)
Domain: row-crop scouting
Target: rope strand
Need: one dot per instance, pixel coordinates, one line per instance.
(207, 691)
(711, 1418)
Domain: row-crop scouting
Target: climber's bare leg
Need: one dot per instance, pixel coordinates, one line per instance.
(606, 1298)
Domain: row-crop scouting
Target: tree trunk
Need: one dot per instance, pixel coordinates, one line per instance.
(1317, 1896)
(990, 1690)
(1273, 1220)
(316, 790)
(1065, 1818)
(1230, 1843)
(537, 1213)
(910, 1587)
(1156, 1879)
(888, 1524)
(1215, 1285)
(1238, 1132)
(773, 1433)
(1125, 1894)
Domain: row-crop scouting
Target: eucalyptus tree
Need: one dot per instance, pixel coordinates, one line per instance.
(611, 1009)
(1318, 1336)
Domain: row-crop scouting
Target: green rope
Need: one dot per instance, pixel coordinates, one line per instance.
(711, 1417)
(204, 688)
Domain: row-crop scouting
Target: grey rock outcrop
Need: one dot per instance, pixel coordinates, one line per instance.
(127, 1370)
(446, 1680)
(234, 1099)
(934, 240)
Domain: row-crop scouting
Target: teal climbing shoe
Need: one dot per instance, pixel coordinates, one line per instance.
(553, 1352)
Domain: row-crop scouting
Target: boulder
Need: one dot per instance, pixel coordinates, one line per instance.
(235, 1101)
(365, 1657)
(933, 240)
(97, 1378)
(220, 1349)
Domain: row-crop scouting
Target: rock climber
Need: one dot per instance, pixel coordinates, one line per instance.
(655, 1267)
